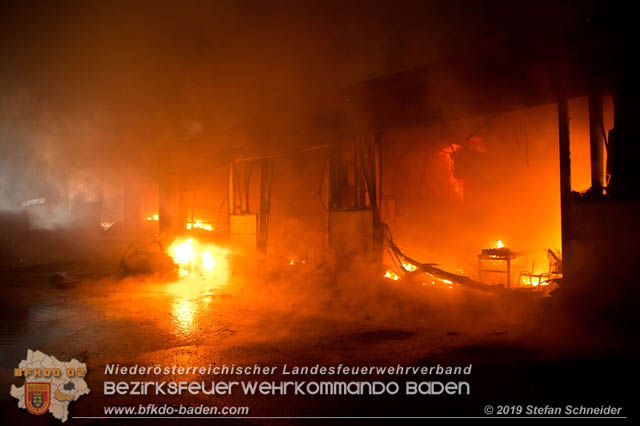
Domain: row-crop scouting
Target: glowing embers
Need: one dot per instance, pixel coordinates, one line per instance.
(499, 252)
(530, 279)
(439, 281)
(389, 274)
(409, 267)
(198, 224)
(406, 267)
(152, 218)
(196, 259)
(538, 277)
(295, 261)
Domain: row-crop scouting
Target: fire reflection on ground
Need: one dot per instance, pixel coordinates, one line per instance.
(190, 303)
(190, 300)
(266, 319)
(203, 272)
(183, 313)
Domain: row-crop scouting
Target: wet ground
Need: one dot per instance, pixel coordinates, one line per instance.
(521, 349)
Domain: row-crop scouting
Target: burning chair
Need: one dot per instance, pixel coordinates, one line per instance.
(531, 279)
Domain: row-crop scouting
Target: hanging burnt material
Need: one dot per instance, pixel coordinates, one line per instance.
(243, 223)
(266, 183)
(354, 217)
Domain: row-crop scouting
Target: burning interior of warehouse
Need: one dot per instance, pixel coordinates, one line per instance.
(234, 183)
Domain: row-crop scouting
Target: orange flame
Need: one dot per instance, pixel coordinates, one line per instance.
(391, 275)
(198, 224)
(448, 153)
(196, 259)
(409, 267)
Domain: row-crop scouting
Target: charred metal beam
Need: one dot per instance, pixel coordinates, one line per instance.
(430, 269)
(266, 181)
(596, 139)
(565, 167)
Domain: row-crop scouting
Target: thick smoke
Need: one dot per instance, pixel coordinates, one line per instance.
(101, 97)
(93, 92)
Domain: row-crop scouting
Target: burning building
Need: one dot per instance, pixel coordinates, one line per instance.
(235, 184)
(481, 148)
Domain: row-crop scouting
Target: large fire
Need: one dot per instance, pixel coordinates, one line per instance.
(196, 259)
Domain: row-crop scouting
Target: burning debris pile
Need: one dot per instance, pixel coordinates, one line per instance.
(193, 258)
(201, 266)
(188, 257)
(409, 268)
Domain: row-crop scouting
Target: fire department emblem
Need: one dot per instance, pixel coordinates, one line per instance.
(37, 397)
